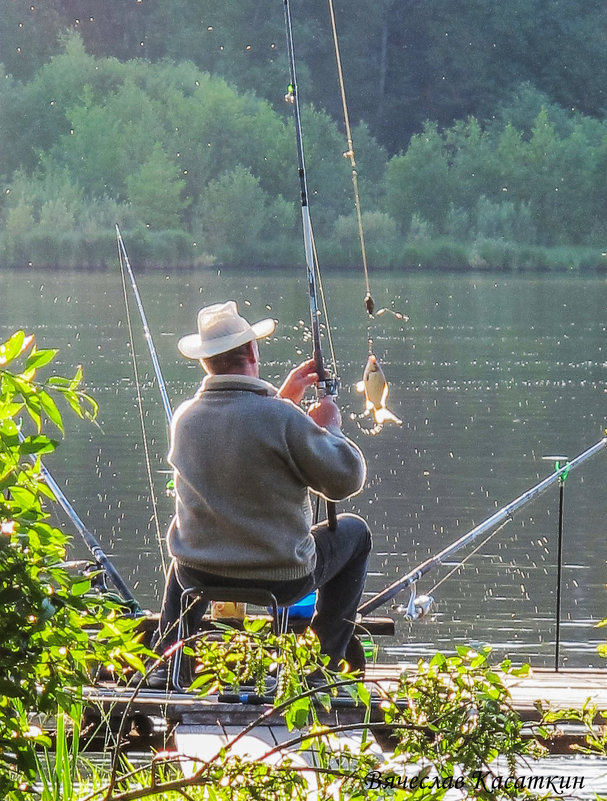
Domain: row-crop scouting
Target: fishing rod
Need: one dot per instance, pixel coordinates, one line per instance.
(124, 262)
(94, 547)
(498, 517)
(148, 335)
(308, 236)
(325, 384)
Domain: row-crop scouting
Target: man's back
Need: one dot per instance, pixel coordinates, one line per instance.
(243, 463)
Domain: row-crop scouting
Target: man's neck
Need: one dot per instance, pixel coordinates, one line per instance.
(251, 370)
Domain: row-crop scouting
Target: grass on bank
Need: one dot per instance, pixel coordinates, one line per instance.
(175, 249)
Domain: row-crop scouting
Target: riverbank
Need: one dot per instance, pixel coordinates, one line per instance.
(177, 250)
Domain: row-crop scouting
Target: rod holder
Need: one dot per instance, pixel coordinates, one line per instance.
(558, 460)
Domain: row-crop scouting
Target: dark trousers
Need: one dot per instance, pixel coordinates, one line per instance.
(339, 577)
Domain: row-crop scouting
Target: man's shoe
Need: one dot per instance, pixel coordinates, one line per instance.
(159, 679)
(328, 684)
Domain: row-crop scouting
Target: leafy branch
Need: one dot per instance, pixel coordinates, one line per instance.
(55, 629)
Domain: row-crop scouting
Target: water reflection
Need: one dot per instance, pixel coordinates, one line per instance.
(488, 375)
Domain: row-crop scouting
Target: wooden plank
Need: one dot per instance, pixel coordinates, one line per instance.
(563, 689)
(188, 709)
(376, 625)
(556, 690)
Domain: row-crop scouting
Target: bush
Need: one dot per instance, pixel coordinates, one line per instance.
(380, 235)
(47, 646)
(492, 254)
(240, 223)
(457, 224)
(505, 220)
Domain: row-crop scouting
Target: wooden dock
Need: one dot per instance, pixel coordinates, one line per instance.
(562, 689)
(152, 713)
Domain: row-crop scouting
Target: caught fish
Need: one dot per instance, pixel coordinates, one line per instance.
(375, 387)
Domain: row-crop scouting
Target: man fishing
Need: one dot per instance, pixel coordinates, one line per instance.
(245, 457)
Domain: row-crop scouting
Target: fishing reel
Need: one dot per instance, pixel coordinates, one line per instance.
(418, 606)
(331, 387)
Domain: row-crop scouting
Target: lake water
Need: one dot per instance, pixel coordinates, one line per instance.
(489, 375)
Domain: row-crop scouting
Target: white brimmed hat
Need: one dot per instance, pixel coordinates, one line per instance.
(221, 328)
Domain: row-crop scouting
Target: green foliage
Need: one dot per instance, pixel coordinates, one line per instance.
(381, 240)
(48, 649)
(32, 33)
(154, 143)
(241, 658)
(588, 718)
(451, 716)
(154, 138)
(463, 699)
(418, 181)
(507, 220)
(532, 187)
(154, 191)
(237, 220)
(58, 773)
(403, 62)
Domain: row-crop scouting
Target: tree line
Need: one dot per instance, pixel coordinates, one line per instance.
(405, 61)
(198, 167)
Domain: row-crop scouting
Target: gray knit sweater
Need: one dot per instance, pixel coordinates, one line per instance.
(243, 462)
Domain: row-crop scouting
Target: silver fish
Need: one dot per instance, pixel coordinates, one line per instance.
(375, 387)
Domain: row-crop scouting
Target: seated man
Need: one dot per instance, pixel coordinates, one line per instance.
(245, 456)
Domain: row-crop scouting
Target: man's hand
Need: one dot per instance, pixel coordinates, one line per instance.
(298, 380)
(325, 413)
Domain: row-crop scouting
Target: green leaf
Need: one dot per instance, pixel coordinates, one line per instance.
(255, 625)
(84, 405)
(14, 347)
(38, 444)
(33, 407)
(76, 380)
(438, 660)
(297, 714)
(80, 587)
(58, 381)
(50, 409)
(23, 497)
(9, 410)
(324, 699)
(8, 428)
(39, 358)
(134, 661)
(363, 694)
(204, 683)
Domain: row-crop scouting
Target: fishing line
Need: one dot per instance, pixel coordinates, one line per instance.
(148, 334)
(98, 554)
(349, 154)
(148, 462)
(324, 308)
(496, 518)
(475, 550)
